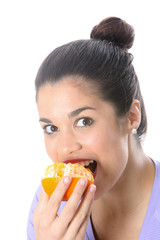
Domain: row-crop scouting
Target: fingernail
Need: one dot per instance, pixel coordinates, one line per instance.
(92, 188)
(83, 181)
(66, 179)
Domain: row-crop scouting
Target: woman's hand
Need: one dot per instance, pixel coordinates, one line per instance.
(73, 220)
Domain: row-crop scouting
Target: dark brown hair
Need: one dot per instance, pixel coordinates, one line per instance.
(102, 60)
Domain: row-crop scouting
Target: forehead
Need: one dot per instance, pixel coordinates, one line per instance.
(66, 96)
(68, 86)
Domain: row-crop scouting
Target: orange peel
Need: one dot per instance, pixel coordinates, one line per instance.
(55, 173)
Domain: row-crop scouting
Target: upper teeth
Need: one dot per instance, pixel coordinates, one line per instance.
(85, 163)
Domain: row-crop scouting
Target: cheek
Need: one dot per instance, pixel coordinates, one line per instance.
(115, 158)
(112, 164)
(105, 141)
(50, 148)
(111, 150)
(114, 152)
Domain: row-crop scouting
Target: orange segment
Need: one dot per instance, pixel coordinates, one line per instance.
(55, 172)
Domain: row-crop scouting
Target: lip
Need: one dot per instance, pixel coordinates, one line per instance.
(77, 160)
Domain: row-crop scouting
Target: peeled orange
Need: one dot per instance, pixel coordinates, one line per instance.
(55, 172)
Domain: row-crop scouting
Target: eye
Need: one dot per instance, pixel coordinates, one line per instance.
(84, 122)
(49, 129)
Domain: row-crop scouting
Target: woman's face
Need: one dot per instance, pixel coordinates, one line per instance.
(79, 126)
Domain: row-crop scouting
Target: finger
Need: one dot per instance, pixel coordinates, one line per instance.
(56, 198)
(43, 200)
(70, 209)
(82, 230)
(80, 220)
(41, 205)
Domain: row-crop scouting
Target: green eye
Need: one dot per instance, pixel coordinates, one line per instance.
(84, 122)
(49, 129)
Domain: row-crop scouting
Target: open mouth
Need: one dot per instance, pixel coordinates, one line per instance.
(92, 165)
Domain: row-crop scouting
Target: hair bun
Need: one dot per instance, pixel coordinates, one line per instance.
(115, 30)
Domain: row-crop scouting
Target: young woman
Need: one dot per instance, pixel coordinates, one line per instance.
(91, 109)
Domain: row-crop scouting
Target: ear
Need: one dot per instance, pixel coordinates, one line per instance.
(134, 115)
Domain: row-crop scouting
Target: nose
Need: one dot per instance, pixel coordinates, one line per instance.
(67, 144)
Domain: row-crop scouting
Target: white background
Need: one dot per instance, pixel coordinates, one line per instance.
(29, 30)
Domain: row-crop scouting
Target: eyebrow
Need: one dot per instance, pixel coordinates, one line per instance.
(70, 115)
(79, 110)
(45, 120)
